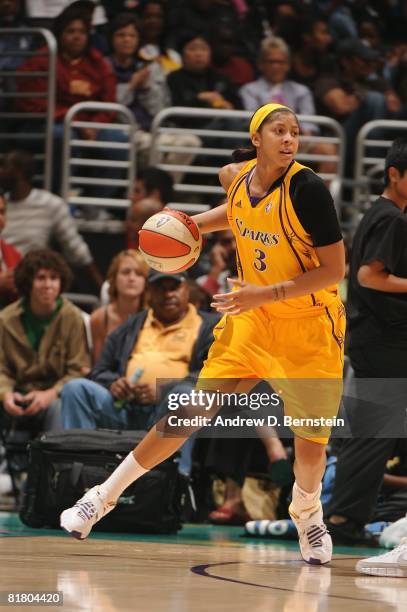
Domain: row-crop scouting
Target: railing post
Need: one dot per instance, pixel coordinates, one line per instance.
(49, 95)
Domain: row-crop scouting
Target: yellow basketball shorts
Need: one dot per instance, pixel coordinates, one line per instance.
(301, 358)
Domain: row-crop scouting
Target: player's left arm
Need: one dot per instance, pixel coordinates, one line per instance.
(213, 220)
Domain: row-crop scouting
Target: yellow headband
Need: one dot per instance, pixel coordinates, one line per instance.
(260, 115)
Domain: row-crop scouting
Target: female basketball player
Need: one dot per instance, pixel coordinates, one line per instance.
(284, 319)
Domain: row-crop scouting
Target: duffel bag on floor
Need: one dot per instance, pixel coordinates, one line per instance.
(64, 465)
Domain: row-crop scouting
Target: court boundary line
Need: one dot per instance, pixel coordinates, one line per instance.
(201, 570)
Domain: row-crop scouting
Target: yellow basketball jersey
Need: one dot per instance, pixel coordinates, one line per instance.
(272, 245)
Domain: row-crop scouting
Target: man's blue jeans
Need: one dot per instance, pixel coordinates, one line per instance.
(88, 405)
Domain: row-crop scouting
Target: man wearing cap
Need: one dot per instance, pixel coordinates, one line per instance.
(168, 340)
(355, 95)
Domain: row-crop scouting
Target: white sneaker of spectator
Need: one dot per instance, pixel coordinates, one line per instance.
(392, 563)
(79, 520)
(393, 534)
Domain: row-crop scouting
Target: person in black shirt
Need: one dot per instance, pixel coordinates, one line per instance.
(377, 327)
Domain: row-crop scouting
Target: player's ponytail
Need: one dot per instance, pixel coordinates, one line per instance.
(247, 154)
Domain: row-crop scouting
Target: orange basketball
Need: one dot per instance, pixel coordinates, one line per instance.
(170, 241)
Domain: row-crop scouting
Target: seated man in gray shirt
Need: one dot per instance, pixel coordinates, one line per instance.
(273, 85)
(36, 217)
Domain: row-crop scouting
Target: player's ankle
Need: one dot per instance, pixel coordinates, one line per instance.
(107, 496)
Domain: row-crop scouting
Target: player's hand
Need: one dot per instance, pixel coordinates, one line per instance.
(246, 297)
(145, 393)
(122, 389)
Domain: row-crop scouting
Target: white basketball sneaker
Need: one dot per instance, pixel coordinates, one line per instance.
(392, 563)
(393, 534)
(315, 541)
(79, 520)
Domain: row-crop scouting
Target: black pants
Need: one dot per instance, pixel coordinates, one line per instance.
(359, 476)
(233, 457)
(362, 460)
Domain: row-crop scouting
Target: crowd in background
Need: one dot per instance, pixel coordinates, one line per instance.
(346, 60)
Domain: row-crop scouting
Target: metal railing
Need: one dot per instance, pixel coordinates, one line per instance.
(371, 150)
(76, 156)
(227, 130)
(10, 94)
(372, 142)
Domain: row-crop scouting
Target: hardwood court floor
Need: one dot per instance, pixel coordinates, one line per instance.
(203, 568)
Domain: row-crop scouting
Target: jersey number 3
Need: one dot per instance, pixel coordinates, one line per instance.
(259, 261)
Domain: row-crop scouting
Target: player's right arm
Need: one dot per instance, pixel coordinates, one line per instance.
(228, 173)
(215, 220)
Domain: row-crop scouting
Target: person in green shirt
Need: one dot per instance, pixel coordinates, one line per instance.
(42, 340)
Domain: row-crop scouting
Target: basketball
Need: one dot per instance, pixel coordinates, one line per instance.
(170, 241)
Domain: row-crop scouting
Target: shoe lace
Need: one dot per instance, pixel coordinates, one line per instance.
(315, 534)
(86, 510)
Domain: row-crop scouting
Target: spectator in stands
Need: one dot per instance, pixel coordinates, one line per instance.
(115, 7)
(198, 296)
(349, 98)
(96, 17)
(377, 328)
(285, 20)
(153, 183)
(153, 189)
(311, 58)
(9, 258)
(359, 66)
(370, 32)
(82, 74)
(203, 16)
(398, 67)
(127, 278)
(153, 37)
(196, 84)
(11, 16)
(142, 87)
(141, 84)
(222, 262)
(169, 340)
(43, 341)
(273, 86)
(226, 58)
(11, 47)
(37, 218)
(137, 215)
(340, 18)
(11, 13)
